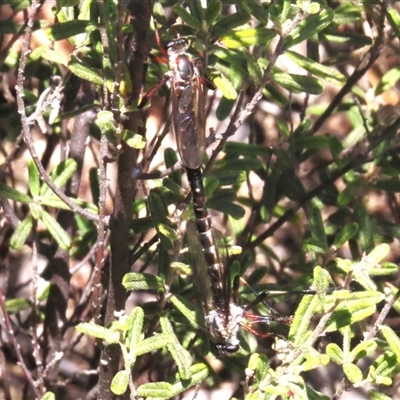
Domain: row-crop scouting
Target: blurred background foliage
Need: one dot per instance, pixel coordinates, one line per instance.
(301, 177)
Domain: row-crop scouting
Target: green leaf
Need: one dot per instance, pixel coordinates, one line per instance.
(60, 175)
(363, 349)
(197, 372)
(224, 108)
(353, 373)
(81, 70)
(229, 23)
(190, 312)
(393, 18)
(298, 332)
(226, 87)
(298, 83)
(142, 281)
(181, 356)
(213, 11)
(64, 30)
(335, 353)
(20, 234)
(308, 28)
(376, 255)
(386, 365)
(377, 395)
(158, 209)
(392, 340)
(345, 234)
(16, 305)
(54, 57)
(120, 382)
(196, 9)
(34, 179)
(135, 323)
(321, 71)
(99, 332)
(156, 390)
(187, 18)
(56, 230)
(105, 122)
(152, 343)
(352, 39)
(133, 140)
(13, 194)
(48, 396)
(240, 38)
(316, 225)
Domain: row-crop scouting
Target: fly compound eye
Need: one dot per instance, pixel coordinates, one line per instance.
(177, 43)
(232, 348)
(223, 348)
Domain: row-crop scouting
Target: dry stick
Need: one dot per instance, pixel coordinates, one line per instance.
(19, 88)
(25, 122)
(11, 337)
(101, 227)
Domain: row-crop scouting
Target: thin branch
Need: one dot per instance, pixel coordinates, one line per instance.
(13, 340)
(26, 123)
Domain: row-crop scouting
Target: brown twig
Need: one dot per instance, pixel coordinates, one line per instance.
(25, 122)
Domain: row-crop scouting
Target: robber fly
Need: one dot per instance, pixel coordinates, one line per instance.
(188, 108)
(212, 274)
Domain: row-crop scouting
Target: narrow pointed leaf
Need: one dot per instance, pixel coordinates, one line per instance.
(16, 305)
(317, 225)
(198, 372)
(309, 27)
(229, 23)
(60, 175)
(135, 322)
(98, 332)
(321, 71)
(191, 313)
(392, 339)
(142, 281)
(345, 234)
(299, 327)
(81, 70)
(34, 179)
(377, 255)
(70, 28)
(226, 87)
(12, 194)
(156, 390)
(363, 349)
(213, 11)
(20, 234)
(247, 37)
(188, 18)
(298, 83)
(56, 230)
(120, 382)
(386, 364)
(153, 343)
(182, 357)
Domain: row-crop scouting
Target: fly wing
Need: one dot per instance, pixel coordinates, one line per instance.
(202, 281)
(225, 271)
(189, 124)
